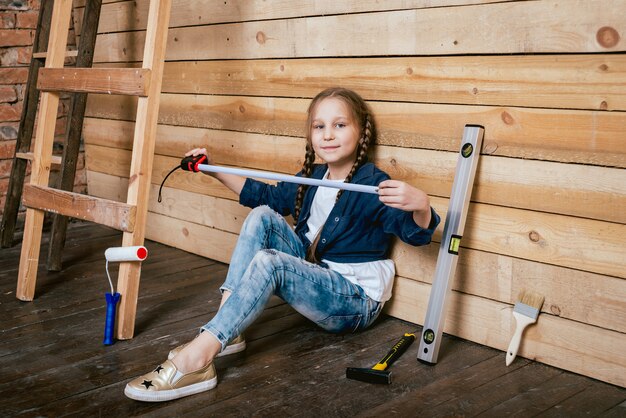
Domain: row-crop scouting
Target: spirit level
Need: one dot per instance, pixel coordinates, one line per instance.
(450, 243)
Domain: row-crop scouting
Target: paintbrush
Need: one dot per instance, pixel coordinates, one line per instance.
(525, 312)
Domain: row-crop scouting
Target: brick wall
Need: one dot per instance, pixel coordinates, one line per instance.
(18, 20)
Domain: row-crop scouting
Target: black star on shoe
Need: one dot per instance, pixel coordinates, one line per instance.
(147, 383)
(158, 369)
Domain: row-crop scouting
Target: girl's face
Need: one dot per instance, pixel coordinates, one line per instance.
(335, 136)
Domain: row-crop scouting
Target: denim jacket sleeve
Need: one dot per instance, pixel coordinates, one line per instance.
(280, 197)
(402, 224)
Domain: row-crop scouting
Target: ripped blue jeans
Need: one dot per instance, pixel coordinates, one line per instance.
(269, 260)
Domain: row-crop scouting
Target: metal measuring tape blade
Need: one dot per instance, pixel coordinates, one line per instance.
(450, 243)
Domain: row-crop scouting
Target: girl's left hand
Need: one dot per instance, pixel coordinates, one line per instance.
(401, 195)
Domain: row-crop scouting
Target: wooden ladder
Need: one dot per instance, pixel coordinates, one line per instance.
(75, 117)
(129, 217)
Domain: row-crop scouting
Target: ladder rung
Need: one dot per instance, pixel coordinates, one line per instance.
(44, 55)
(127, 81)
(117, 215)
(56, 159)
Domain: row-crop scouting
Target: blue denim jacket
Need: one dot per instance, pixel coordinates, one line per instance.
(358, 229)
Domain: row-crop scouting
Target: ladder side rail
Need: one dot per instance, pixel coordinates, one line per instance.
(76, 116)
(25, 129)
(42, 152)
(142, 161)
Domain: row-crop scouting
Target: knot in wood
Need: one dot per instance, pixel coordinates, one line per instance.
(185, 232)
(555, 310)
(489, 147)
(507, 118)
(534, 236)
(242, 109)
(607, 37)
(260, 37)
(604, 105)
(409, 71)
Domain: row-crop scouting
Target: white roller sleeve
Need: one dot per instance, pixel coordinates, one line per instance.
(136, 253)
(289, 179)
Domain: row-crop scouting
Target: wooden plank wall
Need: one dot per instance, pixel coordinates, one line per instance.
(546, 78)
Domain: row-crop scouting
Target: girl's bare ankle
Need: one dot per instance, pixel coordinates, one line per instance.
(197, 354)
(188, 360)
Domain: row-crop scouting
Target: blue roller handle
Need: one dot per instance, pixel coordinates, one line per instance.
(109, 326)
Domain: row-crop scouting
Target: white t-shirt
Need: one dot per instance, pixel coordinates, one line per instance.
(375, 277)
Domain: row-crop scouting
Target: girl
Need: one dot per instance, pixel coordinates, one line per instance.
(332, 267)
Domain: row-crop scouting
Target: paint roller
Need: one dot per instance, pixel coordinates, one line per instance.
(118, 254)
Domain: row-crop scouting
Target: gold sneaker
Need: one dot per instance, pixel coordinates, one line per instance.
(166, 383)
(235, 346)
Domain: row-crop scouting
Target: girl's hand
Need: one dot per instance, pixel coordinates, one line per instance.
(401, 195)
(232, 181)
(199, 151)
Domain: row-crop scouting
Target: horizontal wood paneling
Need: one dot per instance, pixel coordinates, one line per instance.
(549, 238)
(575, 346)
(556, 81)
(594, 82)
(591, 137)
(504, 28)
(578, 190)
(124, 16)
(592, 298)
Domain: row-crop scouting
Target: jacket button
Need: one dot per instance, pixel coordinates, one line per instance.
(337, 219)
(323, 240)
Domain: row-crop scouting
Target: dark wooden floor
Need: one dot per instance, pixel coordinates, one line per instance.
(53, 363)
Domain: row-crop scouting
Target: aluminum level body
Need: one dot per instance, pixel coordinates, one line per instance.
(448, 252)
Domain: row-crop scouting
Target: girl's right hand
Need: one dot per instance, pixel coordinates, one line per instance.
(232, 181)
(199, 151)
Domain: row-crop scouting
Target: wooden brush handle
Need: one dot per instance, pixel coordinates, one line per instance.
(522, 322)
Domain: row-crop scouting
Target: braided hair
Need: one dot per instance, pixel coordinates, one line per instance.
(361, 114)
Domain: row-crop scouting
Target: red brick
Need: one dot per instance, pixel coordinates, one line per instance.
(24, 54)
(34, 4)
(7, 149)
(9, 113)
(26, 20)
(16, 37)
(5, 168)
(7, 94)
(4, 186)
(13, 75)
(7, 20)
